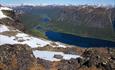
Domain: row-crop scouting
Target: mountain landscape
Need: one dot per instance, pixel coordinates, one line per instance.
(85, 20)
(24, 45)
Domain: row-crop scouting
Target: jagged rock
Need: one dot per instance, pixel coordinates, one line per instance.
(14, 21)
(17, 57)
(68, 65)
(94, 57)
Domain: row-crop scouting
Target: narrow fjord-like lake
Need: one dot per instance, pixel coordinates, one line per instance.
(78, 41)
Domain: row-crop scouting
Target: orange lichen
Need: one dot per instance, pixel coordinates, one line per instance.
(14, 62)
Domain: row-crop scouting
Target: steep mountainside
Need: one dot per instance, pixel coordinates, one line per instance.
(21, 51)
(88, 21)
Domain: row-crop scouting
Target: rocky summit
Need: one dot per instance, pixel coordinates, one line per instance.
(22, 51)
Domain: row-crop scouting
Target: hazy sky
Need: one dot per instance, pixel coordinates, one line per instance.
(73, 2)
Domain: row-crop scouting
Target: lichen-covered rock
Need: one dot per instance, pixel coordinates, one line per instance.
(98, 57)
(93, 59)
(17, 57)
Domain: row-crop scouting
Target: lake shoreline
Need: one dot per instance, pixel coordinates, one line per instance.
(84, 42)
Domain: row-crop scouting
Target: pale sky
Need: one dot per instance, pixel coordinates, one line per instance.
(59, 2)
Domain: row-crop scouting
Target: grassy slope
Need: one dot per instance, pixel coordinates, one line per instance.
(80, 30)
(69, 26)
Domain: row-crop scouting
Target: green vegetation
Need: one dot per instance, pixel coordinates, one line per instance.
(85, 31)
(64, 27)
(38, 33)
(83, 22)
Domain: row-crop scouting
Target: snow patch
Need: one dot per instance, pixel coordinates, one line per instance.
(22, 38)
(61, 45)
(49, 55)
(3, 28)
(32, 41)
(5, 8)
(2, 14)
(7, 40)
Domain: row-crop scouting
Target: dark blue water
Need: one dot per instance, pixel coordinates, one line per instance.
(113, 24)
(45, 20)
(78, 41)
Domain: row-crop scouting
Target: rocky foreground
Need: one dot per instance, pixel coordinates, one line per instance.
(20, 57)
(21, 51)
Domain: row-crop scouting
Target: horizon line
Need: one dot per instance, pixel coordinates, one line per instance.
(23, 4)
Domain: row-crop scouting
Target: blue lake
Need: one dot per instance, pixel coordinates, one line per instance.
(45, 20)
(113, 24)
(78, 41)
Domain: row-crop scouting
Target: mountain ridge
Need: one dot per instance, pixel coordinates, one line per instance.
(84, 21)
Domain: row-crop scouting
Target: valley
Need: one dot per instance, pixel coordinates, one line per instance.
(39, 42)
(84, 21)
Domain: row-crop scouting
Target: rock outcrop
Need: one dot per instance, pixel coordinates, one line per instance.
(16, 57)
(12, 20)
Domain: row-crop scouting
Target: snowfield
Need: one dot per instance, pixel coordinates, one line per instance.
(30, 41)
(3, 28)
(5, 8)
(22, 38)
(49, 55)
(2, 14)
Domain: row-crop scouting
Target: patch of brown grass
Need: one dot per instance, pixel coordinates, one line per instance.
(9, 33)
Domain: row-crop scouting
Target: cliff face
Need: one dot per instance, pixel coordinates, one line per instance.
(21, 51)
